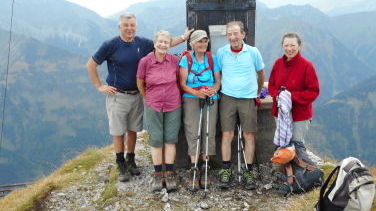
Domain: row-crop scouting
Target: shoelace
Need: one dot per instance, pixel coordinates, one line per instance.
(225, 174)
(248, 176)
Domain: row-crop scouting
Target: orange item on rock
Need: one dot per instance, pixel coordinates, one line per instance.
(283, 155)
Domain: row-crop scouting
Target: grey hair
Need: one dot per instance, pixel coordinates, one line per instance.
(235, 23)
(162, 33)
(126, 16)
(292, 35)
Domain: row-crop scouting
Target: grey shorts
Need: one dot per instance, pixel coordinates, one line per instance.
(163, 127)
(124, 112)
(299, 129)
(191, 118)
(230, 108)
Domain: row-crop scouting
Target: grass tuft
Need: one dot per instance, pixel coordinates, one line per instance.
(110, 190)
(32, 196)
(87, 160)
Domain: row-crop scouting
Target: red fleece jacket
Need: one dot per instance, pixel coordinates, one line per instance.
(299, 77)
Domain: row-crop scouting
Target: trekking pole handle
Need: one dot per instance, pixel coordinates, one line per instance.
(209, 101)
(202, 103)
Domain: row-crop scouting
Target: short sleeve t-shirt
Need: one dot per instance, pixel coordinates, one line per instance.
(122, 60)
(205, 79)
(239, 72)
(162, 93)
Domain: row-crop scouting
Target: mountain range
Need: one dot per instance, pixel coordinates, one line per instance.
(58, 23)
(345, 125)
(332, 8)
(53, 112)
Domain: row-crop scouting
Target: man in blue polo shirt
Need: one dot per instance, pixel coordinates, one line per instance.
(124, 104)
(242, 80)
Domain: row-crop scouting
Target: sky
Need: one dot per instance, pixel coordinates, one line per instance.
(106, 7)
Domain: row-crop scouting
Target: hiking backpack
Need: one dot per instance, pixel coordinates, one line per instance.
(353, 188)
(302, 174)
(190, 62)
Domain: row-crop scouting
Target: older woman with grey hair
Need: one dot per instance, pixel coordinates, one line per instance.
(158, 82)
(200, 80)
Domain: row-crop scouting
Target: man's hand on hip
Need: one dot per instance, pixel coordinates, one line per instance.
(108, 90)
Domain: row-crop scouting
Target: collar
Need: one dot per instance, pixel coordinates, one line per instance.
(244, 49)
(154, 60)
(293, 61)
(135, 38)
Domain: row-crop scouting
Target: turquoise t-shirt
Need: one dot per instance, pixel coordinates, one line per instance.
(239, 73)
(205, 79)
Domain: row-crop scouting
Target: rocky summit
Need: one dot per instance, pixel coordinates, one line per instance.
(94, 191)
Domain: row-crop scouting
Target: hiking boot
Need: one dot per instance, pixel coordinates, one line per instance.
(132, 167)
(248, 179)
(170, 179)
(196, 181)
(123, 173)
(202, 178)
(224, 178)
(157, 182)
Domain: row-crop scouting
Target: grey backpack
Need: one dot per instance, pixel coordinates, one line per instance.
(352, 189)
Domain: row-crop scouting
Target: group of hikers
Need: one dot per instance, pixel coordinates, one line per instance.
(195, 90)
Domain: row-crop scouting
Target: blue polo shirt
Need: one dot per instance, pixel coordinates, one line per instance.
(239, 73)
(122, 60)
(205, 79)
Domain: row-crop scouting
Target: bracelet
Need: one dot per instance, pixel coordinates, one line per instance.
(182, 37)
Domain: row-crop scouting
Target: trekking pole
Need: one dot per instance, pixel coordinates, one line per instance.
(202, 104)
(209, 103)
(242, 148)
(239, 161)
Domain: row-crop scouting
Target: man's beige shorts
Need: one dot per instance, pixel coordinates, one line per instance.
(230, 108)
(124, 112)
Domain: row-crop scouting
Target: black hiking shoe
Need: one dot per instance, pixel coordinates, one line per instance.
(248, 178)
(123, 173)
(196, 183)
(132, 167)
(157, 182)
(224, 178)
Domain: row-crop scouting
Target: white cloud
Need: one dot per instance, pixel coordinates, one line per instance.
(106, 7)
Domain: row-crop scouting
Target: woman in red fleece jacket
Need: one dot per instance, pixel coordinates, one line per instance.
(298, 76)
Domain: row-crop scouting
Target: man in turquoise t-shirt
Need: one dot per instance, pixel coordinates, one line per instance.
(242, 80)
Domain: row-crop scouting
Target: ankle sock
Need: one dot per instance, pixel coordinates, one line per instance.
(250, 167)
(226, 164)
(169, 167)
(130, 154)
(158, 168)
(120, 157)
(193, 165)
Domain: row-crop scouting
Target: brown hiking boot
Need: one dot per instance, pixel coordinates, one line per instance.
(157, 182)
(202, 178)
(194, 185)
(170, 179)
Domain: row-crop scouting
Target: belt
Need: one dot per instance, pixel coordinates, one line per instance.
(130, 92)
